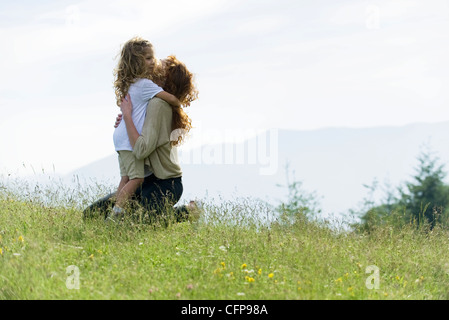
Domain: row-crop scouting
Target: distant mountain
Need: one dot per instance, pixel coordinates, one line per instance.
(334, 162)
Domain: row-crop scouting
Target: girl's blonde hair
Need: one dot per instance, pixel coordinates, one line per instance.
(132, 66)
(180, 83)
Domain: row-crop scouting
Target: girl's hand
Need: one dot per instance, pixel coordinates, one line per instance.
(118, 120)
(126, 105)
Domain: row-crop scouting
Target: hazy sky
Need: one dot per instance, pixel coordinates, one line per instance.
(258, 64)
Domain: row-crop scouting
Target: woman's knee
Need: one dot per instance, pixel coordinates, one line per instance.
(99, 207)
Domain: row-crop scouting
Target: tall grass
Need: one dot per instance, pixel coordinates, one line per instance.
(239, 249)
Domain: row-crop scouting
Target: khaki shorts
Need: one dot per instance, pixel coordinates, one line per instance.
(130, 166)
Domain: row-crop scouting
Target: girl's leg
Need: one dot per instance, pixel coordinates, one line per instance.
(117, 210)
(127, 190)
(123, 196)
(123, 181)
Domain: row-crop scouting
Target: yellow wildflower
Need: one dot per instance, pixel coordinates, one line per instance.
(21, 239)
(351, 291)
(259, 272)
(270, 275)
(1, 251)
(249, 279)
(244, 266)
(91, 256)
(339, 280)
(222, 264)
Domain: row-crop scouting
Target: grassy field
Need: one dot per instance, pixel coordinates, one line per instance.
(50, 252)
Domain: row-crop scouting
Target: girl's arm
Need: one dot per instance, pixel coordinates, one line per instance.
(169, 98)
(151, 90)
(118, 120)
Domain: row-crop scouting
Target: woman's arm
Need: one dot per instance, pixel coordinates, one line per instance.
(145, 143)
(127, 109)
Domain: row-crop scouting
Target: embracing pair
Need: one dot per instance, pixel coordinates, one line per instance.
(151, 94)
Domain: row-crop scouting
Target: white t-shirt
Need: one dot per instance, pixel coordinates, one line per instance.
(141, 92)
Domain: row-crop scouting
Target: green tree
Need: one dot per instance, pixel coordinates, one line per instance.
(427, 197)
(424, 199)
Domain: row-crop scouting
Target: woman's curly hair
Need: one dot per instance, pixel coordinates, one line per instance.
(180, 83)
(132, 66)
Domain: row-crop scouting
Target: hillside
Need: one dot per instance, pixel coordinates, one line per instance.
(52, 253)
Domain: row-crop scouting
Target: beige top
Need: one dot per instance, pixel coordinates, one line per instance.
(154, 145)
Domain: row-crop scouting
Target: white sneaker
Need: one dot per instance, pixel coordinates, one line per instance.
(115, 215)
